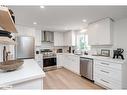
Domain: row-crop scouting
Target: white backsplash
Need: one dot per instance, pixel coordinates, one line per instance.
(47, 45)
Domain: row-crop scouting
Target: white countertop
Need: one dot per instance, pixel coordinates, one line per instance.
(28, 71)
(108, 59)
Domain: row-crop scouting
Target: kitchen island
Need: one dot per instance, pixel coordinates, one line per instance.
(28, 76)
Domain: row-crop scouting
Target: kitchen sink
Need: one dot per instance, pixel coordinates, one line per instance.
(11, 65)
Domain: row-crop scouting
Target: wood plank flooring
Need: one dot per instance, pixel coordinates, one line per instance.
(65, 79)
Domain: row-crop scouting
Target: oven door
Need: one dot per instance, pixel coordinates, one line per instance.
(49, 62)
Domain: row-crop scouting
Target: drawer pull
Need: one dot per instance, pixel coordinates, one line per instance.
(104, 71)
(105, 63)
(104, 81)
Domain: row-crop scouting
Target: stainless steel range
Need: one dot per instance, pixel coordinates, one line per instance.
(49, 59)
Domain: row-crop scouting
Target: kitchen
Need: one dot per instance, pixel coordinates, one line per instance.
(67, 48)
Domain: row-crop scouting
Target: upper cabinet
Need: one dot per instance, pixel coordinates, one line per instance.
(100, 32)
(69, 38)
(38, 38)
(58, 39)
(6, 21)
(64, 38)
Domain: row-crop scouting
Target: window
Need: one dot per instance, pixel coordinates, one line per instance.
(82, 42)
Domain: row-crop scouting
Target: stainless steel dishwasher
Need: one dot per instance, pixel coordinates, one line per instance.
(86, 68)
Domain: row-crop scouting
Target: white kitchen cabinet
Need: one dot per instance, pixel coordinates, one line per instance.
(58, 39)
(64, 38)
(100, 32)
(74, 63)
(38, 38)
(69, 61)
(69, 38)
(110, 75)
(60, 60)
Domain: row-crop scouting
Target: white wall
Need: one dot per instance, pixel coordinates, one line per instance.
(120, 33)
(25, 31)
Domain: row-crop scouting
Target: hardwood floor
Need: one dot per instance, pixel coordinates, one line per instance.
(65, 79)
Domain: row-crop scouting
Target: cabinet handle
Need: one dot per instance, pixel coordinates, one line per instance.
(104, 71)
(104, 81)
(105, 63)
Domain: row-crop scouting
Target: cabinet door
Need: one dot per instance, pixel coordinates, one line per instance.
(99, 33)
(104, 32)
(38, 38)
(69, 38)
(71, 62)
(58, 39)
(92, 34)
(67, 62)
(60, 60)
(66, 39)
(74, 63)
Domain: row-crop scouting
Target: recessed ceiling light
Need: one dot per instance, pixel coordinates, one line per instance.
(34, 23)
(84, 20)
(42, 6)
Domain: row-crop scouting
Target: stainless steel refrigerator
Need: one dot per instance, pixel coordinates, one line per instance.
(25, 47)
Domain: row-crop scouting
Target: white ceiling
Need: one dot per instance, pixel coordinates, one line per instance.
(61, 18)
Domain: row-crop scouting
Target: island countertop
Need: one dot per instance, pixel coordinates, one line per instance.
(30, 70)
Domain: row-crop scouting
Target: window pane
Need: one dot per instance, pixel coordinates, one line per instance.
(82, 42)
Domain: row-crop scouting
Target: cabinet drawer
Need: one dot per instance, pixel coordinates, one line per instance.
(107, 82)
(108, 72)
(107, 64)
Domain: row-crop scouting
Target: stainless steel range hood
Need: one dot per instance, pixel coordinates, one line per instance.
(47, 36)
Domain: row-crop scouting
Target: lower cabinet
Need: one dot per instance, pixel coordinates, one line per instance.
(60, 59)
(110, 75)
(107, 82)
(69, 61)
